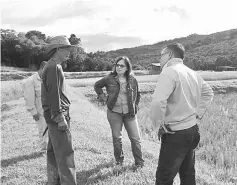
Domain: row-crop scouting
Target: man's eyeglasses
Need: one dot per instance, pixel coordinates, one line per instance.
(120, 65)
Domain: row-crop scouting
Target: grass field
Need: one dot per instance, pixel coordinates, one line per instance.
(22, 164)
(218, 130)
(142, 75)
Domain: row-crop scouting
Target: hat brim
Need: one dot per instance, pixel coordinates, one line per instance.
(58, 46)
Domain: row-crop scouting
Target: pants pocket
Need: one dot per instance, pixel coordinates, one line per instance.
(196, 138)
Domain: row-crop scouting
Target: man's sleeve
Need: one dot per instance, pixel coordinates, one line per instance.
(206, 98)
(164, 88)
(29, 95)
(53, 82)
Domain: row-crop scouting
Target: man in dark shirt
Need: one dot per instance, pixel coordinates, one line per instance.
(60, 154)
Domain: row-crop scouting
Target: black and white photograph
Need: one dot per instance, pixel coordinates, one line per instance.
(118, 92)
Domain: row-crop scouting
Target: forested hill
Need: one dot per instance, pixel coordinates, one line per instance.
(201, 50)
(204, 52)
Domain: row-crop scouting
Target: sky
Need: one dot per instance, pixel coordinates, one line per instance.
(114, 24)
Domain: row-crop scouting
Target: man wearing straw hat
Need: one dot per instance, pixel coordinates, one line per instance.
(60, 154)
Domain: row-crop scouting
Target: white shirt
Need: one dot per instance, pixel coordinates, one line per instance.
(32, 94)
(180, 96)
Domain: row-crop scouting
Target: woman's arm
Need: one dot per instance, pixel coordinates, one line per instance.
(138, 93)
(99, 85)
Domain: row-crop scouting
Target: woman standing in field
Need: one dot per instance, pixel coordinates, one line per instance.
(60, 154)
(122, 103)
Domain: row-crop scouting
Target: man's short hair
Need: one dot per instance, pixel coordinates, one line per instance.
(177, 49)
(42, 64)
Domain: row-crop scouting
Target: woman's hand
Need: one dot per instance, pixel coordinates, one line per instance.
(102, 98)
(36, 117)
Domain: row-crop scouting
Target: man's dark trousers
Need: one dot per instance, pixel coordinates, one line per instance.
(177, 156)
(60, 154)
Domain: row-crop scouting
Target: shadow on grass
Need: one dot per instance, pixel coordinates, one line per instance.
(14, 160)
(100, 173)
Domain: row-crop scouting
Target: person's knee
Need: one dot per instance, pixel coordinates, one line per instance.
(164, 178)
(165, 174)
(188, 173)
(117, 138)
(135, 139)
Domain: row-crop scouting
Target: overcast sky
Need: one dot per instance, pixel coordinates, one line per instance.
(114, 24)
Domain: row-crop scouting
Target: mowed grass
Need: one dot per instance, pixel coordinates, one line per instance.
(142, 75)
(207, 75)
(11, 90)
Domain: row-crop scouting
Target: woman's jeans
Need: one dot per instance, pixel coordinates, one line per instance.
(116, 121)
(60, 154)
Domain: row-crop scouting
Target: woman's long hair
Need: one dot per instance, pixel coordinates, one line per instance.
(128, 64)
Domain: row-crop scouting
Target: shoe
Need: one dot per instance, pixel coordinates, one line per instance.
(137, 167)
(119, 163)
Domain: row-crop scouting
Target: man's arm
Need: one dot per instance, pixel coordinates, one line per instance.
(164, 88)
(53, 81)
(206, 98)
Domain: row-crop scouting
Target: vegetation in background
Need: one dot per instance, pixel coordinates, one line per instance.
(203, 52)
(27, 50)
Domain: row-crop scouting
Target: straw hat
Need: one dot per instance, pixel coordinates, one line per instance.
(59, 42)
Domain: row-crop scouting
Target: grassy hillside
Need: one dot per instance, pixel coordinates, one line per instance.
(200, 49)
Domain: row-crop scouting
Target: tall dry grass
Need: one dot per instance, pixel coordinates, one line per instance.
(11, 90)
(218, 128)
(218, 145)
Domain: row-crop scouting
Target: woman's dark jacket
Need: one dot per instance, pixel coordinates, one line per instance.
(111, 82)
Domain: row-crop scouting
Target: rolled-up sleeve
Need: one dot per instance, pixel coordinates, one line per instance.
(206, 98)
(99, 85)
(164, 87)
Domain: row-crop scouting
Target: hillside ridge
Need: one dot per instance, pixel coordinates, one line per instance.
(200, 49)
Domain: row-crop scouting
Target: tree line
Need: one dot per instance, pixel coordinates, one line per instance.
(27, 50)
(203, 52)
